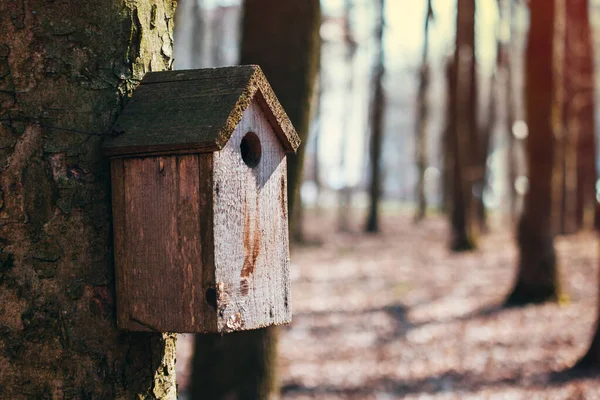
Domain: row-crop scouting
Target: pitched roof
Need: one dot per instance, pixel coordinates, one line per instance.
(195, 111)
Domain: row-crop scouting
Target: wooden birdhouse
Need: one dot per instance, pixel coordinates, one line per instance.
(199, 198)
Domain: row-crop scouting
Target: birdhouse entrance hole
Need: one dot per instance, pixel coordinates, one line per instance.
(251, 149)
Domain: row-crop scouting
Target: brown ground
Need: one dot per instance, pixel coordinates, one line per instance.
(396, 315)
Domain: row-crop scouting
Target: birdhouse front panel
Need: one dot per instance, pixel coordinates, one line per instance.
(251, 227)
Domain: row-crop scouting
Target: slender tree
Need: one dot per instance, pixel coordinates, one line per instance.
(423, 118)
(465, 134)
(485, 140)
(189, 35)
(537, 279)
(283, 38)
(67, 69)
(507, 13)
(447, 147)
(197, 42)
(377, 121)
(345, 192)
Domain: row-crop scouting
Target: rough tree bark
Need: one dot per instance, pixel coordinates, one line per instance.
(377, 121)
(423, 119)
(537, 279)
(465, 137)
(66, 69)
(285, 42)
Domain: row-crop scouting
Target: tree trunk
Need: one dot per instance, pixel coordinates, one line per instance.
(507, 15)
(345, 192)
(377, 121)
(583, 109)
(580, 109)
(197, 50)
(574, 95)
(537, 278)
(448, 136)
(66, 69)
(285, 42)
(485, 142)
(422, 120)
(465, 140)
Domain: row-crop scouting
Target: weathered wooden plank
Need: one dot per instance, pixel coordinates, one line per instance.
(119, 212)
(159, 251)
(177, 111)
(251, 231)
(235, 74)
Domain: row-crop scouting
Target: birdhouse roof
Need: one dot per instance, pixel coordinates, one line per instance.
(195, 111)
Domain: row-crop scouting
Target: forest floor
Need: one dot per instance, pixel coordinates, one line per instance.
(396, 315)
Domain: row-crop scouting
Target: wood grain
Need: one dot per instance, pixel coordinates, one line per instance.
(158, 247)
(251, 231)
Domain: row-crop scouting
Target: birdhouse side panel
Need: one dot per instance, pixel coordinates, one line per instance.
(159, 256)
(251, 227)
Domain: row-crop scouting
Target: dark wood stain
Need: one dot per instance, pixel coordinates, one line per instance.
(158, 208)
(244, 286)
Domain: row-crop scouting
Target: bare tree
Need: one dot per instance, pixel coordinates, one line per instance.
(423, 118)
(580, 106)
(537, 278)
(377, 121)
(345, 192)
(465, 135)
(583, 87)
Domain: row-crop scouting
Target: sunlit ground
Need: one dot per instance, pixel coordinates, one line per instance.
(398, 316)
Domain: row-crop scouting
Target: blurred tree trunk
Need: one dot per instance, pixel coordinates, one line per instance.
(580, 109)
(219, 34)
(485, 141)
(345, 192)
(283, 38)
(448, 136)
(377, 121)
(565, 215)
(579, 31)
(189, 35)
(537, 278)
(423, 119)
(579, 171)
(197, 34)
(465, 135)
(507, 16)
(70, 66)
(317, 138)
